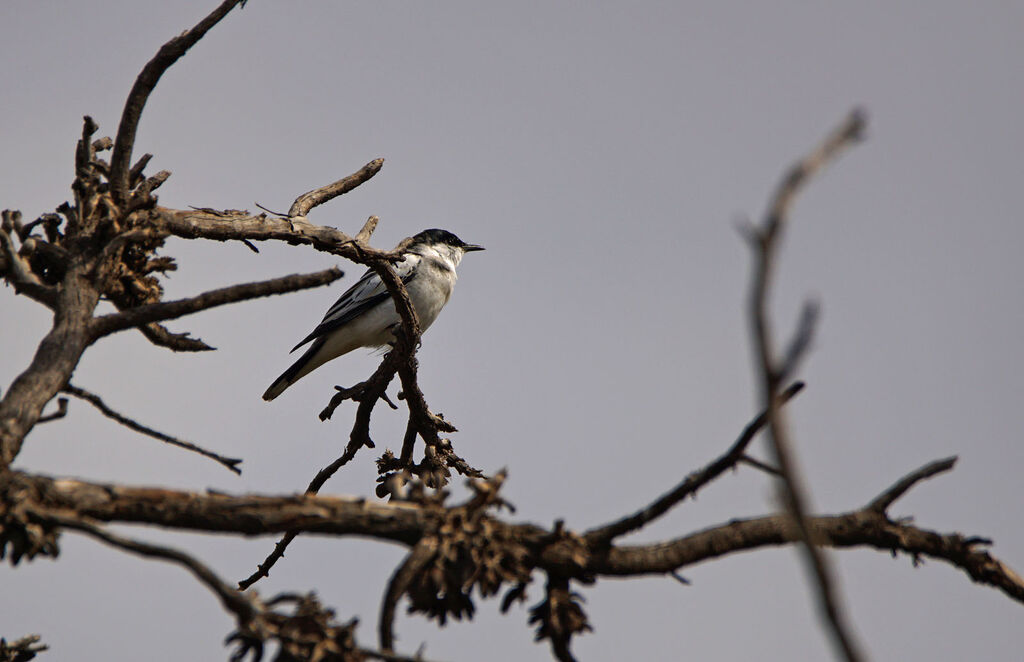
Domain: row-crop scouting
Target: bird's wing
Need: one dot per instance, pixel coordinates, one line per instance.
(366, 293)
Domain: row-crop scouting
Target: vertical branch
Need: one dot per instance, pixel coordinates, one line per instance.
(150, 75)
(765, 241)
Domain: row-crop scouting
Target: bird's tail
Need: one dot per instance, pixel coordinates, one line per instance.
(305, 365)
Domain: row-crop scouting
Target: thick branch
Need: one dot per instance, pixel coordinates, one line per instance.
(54, 361)
(234, 225)
(166, 310)
(215, 513)
(168, 54)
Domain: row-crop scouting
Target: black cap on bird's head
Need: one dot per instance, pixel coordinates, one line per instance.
(437, 236)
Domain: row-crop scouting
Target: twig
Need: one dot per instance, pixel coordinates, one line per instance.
(413, 564)
(95, 400)
(168, 54)
(234, 601)
(758, 464)
(318, 196)
(161, 336)
(322, 476)
(881, 503)
(771, 370)
(62, 411)
(603, 535)
(165, 310)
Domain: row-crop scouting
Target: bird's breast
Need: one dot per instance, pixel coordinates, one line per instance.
(430, 291)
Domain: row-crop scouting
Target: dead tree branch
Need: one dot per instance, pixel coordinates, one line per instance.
(513, 550)
(691, 484)
(166, 310)
(168, 54)
(772, 370)
(319, 196)
(95, 400)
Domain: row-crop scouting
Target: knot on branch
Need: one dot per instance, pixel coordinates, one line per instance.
(308, 633)
(433, 471)
(469, 550)
(21, 535)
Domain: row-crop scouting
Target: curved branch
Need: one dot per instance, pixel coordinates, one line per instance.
(168, 54)
(233, 601)
(95, 400)
(418, 558)
(319, 196)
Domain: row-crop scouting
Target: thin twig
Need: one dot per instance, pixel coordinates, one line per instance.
(305, 202)
(322, 476)
(882, 502)
(95, 400)
(758, 464)
(62, 411)
(234, 601)
(605, 534)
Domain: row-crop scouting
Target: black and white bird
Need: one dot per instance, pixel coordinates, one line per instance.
(365, 315)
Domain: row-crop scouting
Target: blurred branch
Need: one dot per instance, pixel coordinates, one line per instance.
(23, 649)
(765, 243)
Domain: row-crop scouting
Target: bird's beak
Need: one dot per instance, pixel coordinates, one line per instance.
(471, 247)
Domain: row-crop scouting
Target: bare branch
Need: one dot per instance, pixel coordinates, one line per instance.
(95, 400)
(319, 196)
(234, 225)
(165, 310)
(772, 371)
(758, 464)
(322, 476)
(881, 503)
(179, 342)
(364, 234)
(168, 54)
(691, 484)
(234, 601)
(216, 513)
(62, 411)
(422, 553)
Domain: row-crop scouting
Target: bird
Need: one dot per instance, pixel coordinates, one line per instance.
(365, 315)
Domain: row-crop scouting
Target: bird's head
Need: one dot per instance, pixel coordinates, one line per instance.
(443, 242)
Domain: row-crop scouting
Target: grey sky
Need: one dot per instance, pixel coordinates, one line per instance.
(603, 153)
